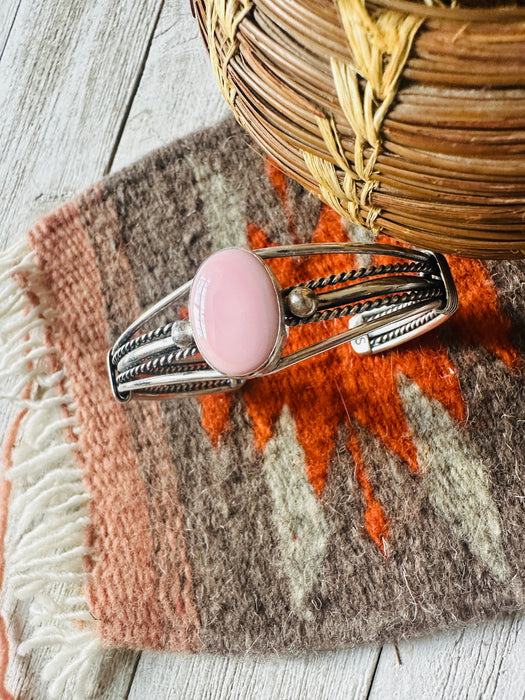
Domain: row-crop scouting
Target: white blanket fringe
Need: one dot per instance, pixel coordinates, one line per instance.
(48, 510)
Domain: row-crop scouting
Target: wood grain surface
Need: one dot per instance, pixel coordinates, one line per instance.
(86, 88)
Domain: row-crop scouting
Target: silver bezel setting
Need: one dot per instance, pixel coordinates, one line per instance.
(282, 334)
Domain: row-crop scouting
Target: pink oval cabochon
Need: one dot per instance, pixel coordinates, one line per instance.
(235, 312)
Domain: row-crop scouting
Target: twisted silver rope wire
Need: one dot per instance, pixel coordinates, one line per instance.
(162, 364)
(185, 388)
(140, 340)
(370, 271)
(361, 307)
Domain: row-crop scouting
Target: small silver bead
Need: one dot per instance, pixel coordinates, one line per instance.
(181, 333)
(302, 302)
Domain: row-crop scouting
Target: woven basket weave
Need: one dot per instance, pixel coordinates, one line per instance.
(407, 118)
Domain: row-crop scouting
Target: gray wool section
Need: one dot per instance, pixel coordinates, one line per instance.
(495, 396)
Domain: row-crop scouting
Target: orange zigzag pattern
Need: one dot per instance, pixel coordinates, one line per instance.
(341, 386)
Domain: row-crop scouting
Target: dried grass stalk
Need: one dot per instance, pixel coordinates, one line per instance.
(408, 118)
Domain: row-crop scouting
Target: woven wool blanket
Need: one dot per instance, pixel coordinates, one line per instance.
(345, 500)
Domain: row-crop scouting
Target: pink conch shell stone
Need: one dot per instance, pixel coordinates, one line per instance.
(235, 312)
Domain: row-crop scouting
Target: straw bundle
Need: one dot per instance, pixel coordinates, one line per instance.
(407, 118)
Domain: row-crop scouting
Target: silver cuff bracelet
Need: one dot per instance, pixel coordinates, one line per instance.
(239, 318)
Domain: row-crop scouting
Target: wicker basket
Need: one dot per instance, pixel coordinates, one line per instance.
(407, 118)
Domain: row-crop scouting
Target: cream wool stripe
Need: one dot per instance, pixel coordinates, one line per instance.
(380, 47)
(227, 222)
(297, 513)
(457, 484)
(48, 514)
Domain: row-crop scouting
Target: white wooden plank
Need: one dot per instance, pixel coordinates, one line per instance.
(333, 676)
(484, 661)
(8, 10)
(66, 76)
(177, 94)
